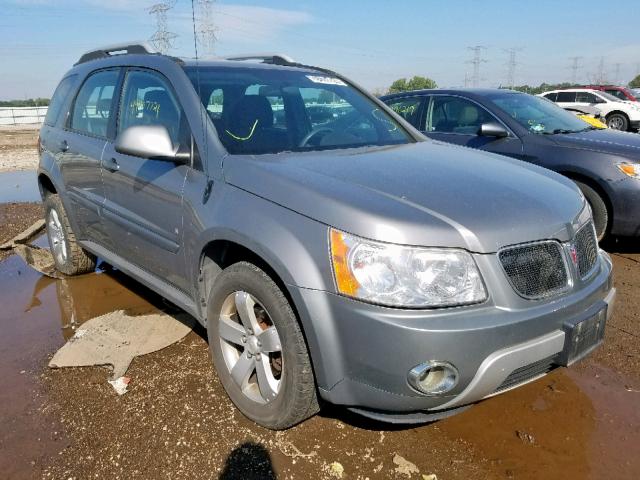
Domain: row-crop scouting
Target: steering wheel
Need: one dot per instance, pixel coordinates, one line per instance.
(313, 133)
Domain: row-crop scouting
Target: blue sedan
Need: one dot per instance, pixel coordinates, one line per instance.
(605, 164)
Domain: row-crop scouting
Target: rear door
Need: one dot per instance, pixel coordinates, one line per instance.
(81, 144)
(455, 119)
(143, 205)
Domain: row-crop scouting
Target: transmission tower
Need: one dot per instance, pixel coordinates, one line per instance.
(162, 39)
(601, 76)
(207, 30)
(511, 65)
(617, 77)
(575, 66)
(476, 61)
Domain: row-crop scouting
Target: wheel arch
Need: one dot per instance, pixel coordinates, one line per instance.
(222, 252)
(593, 183)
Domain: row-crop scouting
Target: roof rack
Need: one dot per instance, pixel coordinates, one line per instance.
(117, 49)
(273, 58)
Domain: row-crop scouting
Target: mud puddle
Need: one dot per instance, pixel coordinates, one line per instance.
(37, 315)
(19, 186)
(583, 422)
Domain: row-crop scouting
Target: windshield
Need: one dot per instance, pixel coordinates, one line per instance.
(261, 110)
(537, 114)
(609, 97)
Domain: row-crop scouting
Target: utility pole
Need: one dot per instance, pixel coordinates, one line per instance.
(476, 61)
(575, 66)
(511, 66)
(207, 30)
(162, 39)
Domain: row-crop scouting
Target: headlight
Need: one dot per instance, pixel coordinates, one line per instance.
(630, 169)
(401, 276)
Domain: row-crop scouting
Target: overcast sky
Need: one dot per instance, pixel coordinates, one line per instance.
(373, 41)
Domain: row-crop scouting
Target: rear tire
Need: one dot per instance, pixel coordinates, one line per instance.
(618, 121)
(272, 381)
(69, 257)
(598, 208)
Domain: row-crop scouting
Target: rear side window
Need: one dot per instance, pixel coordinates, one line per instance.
(407, 108)
(567, 97)
(94, 103)
(59, 99)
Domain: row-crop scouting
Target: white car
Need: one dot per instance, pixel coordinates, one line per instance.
(619, 115)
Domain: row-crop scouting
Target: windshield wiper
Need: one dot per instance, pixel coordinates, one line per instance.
(565, 130)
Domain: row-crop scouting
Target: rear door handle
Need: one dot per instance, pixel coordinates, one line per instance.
(64, 146)
(111, 165)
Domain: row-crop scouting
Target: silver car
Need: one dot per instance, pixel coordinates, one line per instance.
(331, 251)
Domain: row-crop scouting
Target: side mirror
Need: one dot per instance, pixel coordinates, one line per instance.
(149, 141)
(493, 129)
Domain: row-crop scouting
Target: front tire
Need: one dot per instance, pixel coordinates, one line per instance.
(618, 121)
(258, 348)
(69, 257)
(598, 208)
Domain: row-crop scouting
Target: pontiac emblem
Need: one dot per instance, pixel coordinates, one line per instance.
(574, 254)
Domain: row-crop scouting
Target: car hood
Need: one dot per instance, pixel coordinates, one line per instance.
(624, 144)
(425, 193)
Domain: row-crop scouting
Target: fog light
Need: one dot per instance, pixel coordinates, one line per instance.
(433, 378)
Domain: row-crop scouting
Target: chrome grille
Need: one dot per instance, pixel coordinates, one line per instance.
(535, 270)
(586, 249)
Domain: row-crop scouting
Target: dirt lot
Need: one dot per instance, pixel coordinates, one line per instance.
(18, 148)
(176, 421)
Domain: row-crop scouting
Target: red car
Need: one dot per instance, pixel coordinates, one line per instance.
(621, 92)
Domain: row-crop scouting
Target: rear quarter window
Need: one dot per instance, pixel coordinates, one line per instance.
(60, 99)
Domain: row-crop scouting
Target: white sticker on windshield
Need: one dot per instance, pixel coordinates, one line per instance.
(326, 80)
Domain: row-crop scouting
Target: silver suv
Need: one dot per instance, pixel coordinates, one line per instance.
(331, 251)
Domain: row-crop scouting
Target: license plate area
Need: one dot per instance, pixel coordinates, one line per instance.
(582, 337)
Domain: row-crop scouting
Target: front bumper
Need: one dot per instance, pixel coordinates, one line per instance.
(362, 352)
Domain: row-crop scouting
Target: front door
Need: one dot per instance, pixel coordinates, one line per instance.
(455, 119)
(143, 205)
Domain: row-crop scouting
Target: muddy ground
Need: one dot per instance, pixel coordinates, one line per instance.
(176, 421)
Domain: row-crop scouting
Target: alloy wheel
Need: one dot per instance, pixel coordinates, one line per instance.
(251, 347)
(56, 237)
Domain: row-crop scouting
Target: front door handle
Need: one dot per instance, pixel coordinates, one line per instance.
(64, 146)
(111, 165)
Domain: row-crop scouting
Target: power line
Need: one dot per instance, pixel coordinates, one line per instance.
(162, 39)
(476, 61)
(511, 65)
(575, 66)
(207, 30)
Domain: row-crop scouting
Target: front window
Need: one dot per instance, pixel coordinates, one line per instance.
(450, 114)
(538, 115)
(260, 110)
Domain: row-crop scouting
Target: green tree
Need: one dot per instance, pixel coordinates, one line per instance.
(635, 83)
(415, 83)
